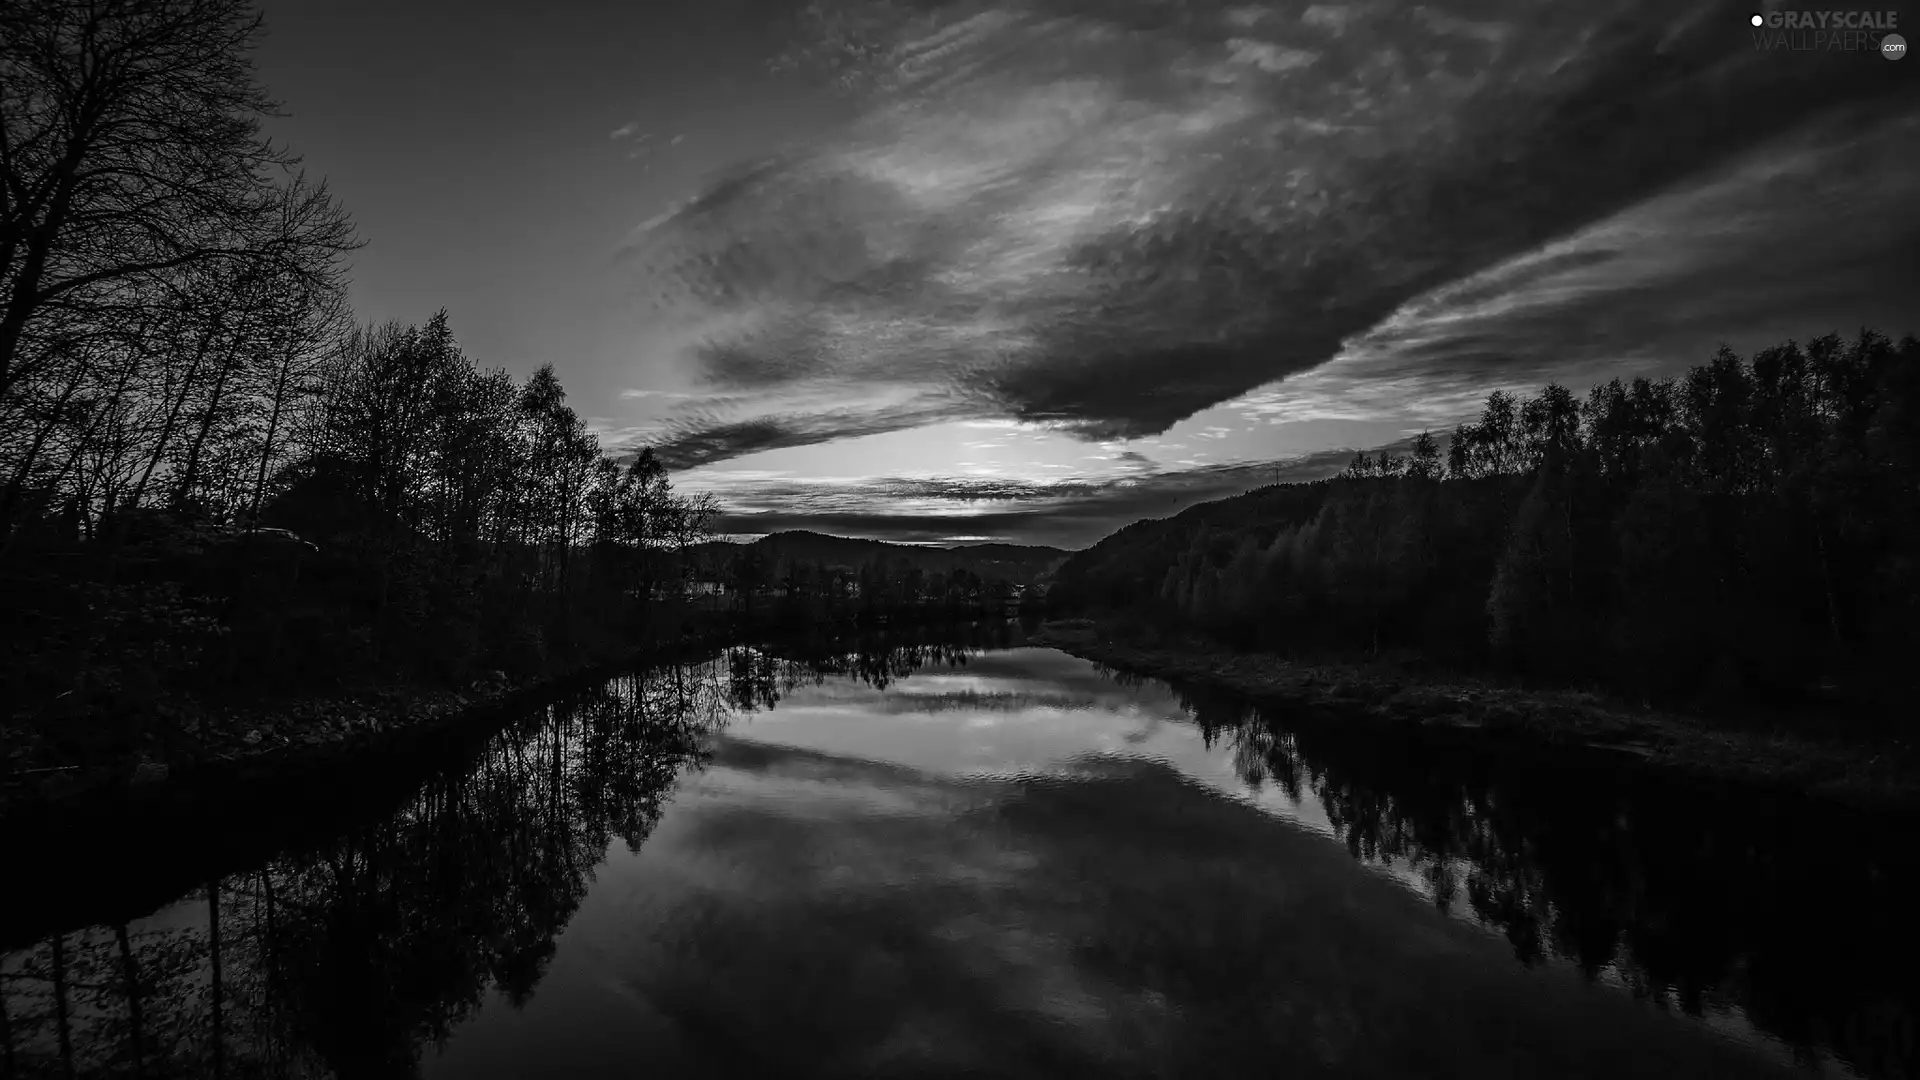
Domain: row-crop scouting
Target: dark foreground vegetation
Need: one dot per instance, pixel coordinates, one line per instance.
(1738, 543)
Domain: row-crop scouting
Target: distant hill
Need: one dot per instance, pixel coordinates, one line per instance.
(1011, 562)
(1128, 566)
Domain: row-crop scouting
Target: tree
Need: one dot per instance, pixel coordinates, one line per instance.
(1372, 556)
(750, 574)
(131, 150)
(1424, 464)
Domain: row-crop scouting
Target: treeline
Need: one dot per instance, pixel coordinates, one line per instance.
(1746, 530)
(469, 520)
(433, 521)
(212, 478)
(759, 584)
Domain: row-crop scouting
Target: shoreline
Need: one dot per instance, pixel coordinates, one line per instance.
(211, 753)
(222, 751)
(1864, 777)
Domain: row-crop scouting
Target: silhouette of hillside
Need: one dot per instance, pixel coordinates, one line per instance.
(1016, 563)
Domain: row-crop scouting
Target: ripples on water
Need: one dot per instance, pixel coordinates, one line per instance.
(938, 860)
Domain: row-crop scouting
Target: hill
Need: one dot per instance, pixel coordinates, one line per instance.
(1018, 563)
(1128, 567)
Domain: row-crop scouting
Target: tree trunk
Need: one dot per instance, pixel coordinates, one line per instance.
(25, 466)
(6, 1038)
(25, 296)
(183, 487)
(60, 1004)
(173, 411)
(213, 935)
(1826, 579)
(132, 975)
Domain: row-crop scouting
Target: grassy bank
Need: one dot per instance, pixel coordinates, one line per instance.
(1425, 702)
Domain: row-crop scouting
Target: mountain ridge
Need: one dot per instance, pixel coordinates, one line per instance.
(1022, 563)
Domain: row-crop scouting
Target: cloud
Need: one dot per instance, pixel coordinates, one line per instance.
(703, 436)
(626, 131)
(1330, 17)
(1748, 256)
(1269, 57)
(1106, 218)
(1072, 512)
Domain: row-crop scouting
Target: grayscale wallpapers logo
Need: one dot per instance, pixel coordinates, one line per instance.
(1829, 30)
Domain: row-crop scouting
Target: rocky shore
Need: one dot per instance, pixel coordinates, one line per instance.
(1871, 777)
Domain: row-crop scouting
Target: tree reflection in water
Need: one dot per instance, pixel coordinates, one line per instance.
(349, 958)
(1691, 898)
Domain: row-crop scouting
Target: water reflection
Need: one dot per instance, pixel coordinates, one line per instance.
(1706, 901)
(349, 958)
(903, 857)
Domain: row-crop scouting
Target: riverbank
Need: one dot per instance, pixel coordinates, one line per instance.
(193, 751)
(1864, 776)
(189, 753)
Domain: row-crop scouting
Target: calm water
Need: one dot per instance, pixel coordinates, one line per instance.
(941, 861)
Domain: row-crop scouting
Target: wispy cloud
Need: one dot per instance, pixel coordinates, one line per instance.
(703, 434)
(626, 131)
(1071, 512)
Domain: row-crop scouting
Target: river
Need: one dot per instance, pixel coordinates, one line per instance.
(941, 860)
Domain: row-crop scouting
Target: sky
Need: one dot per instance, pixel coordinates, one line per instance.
(1028, 270)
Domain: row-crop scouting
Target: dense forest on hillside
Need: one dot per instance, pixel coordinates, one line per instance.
(1744, 531)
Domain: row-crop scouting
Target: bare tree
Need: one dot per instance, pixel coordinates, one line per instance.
(129, 136)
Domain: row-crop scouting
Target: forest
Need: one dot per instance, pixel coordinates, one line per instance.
(1743, 533)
